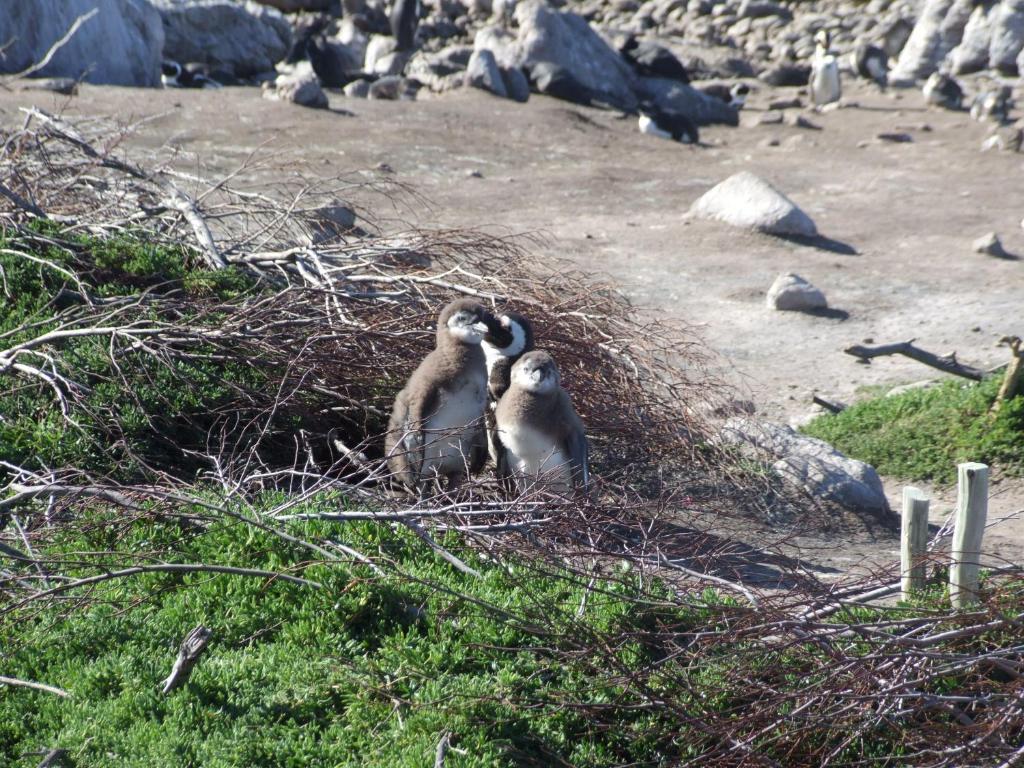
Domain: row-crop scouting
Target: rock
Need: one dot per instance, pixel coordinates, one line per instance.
(744, 200)
(792, 293)
(294, 6)
(1007, 36)
(119, 45)
(393, 88)
(751, 9)
(447, 61)
(565, 41)
(516, 84)
(938, 29)
(989, 244)
(391, 63)
(770, 117)
(972, 53)
(812, 465)
(788, 103)
(483, 73)
(501, 43)
(300, 87)
(674, 96)
(1008, 138)
(240, 39)
(357, 89)
(799, 121)
(377, 47)
(895, 138)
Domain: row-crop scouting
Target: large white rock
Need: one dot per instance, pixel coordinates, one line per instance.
(745, 200)
(1007, 36)
(811, 464)
(792, 293)
(939, 28)
(483, 73)
(119, 45)
(299, 87)
(972, 53)
(564, 41)
(240, 39)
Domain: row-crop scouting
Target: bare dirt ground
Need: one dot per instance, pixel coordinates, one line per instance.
(902, 217)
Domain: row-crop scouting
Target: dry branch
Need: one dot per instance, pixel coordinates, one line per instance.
(945, 363)
(192, 647)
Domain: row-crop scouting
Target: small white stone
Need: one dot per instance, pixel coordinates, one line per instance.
(792, 293)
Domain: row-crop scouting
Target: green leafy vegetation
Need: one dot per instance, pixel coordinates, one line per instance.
(922, 434)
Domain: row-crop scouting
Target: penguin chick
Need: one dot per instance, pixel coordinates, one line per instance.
(436, 425)
(509, 337)
(667, 125)
(543, 444)
(824, 83)
(943, 91)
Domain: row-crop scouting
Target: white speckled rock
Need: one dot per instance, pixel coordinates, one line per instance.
(745, 200)
(792, 293)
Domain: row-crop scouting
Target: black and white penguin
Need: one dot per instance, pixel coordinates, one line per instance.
(870, 62)
(649, 59)
(192, 75)
(543, 443)
(404, 18)
(509, 338)
(993, 105)
(735, 95)
(943, 91)
(667, 125)
(436, 427)
(824, 83)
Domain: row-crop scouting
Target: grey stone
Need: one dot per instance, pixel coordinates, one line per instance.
(1007, 36)
(240, 39)
(501, 43)
(566, 41)
(972, 53)
(294, 6)
(391, 63)
(300, 87)
(770, 117)
(989, 244)
(745, 200)
(792, 293)
(393, 88)
(377, 47)
(810, 464)
(674, 96)
(516, 84)
(483, 73)
(938, 30)
(119, 45)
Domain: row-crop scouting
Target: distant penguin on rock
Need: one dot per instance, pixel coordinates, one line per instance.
(436, 429)
(824, 83)
(649, 59)
(404, 18)
(735, 95)
(870, 62)
(543, 443)
(992, 105)
(667, 125)
(941, 90)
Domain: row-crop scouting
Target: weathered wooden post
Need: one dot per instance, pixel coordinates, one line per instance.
(971, 512)
(913, 540)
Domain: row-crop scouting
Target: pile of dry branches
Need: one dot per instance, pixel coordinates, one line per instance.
(340, 317)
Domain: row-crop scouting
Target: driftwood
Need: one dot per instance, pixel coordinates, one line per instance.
(192, 647)
(945, 363)
(832, 406)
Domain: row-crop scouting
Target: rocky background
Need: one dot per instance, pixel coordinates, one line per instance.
(294, 48)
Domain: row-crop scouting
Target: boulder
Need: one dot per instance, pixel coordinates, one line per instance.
(972, 53)
(810, 464)
(792, 293)
(300, 87)
(745, 200)
(357, 89)
(294, 6)
(483, 73)
(565, 42)
(674, 96)
(939, 28)
(989, 244)
(240, 39)
(501, 43)
(119, 45)
(1007, 36)
(377, 48)
(393, 88)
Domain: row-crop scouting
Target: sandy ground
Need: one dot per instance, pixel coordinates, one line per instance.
(900, 217)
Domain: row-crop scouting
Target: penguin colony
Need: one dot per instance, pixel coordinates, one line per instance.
(485, 390)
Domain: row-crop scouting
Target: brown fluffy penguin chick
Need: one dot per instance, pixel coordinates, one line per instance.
(436, 427)
(543, 445)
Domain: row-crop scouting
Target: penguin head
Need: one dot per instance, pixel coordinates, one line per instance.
(739, 93)
(170, 71)
(465, 320)
(510, 335)
(823, 39)
(536, 372)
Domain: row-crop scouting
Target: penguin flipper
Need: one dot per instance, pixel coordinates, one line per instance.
(405, 439)
(579, 458)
